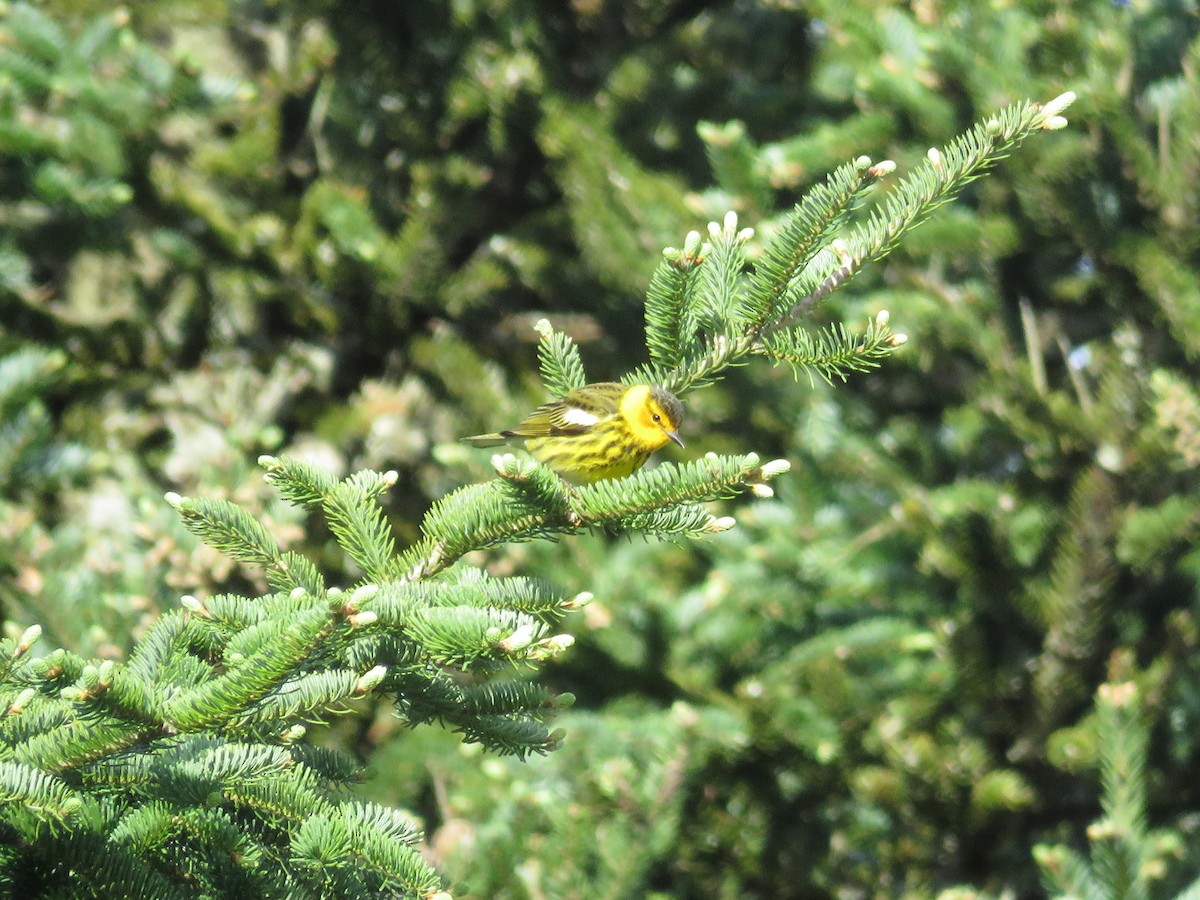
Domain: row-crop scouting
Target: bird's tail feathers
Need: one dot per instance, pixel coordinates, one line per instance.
(495, 439)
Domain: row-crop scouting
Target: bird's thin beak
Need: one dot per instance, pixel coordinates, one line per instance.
(674, 435)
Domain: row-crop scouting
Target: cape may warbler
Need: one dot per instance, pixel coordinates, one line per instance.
(602, 430)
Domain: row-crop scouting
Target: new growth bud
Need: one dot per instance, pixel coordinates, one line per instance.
(775, 467)
(519, 639)
(1058, 104)
(882, 168)
(370, 680)
(29, 637)
(579, 601)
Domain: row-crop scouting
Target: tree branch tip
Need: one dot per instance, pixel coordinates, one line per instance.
(511, 467)
(543, 328)
(520, 639)
(762, 491)
(579, 601)
(297, 592)
(550, 647)
(773, 468)
(268, 462)
(370, 680)
(1117, 695)
(1105, 830)
(1054, 108)
(934, 155)
(173, 499)
(882, 318)
(899, 339)
(363, 592)
(193, 605)
(20, 702)
(717, 525)
(29, 637)
(882, 168)
(293, 734)
(729, 228)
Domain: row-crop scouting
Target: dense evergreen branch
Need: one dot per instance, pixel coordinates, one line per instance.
(807, 260)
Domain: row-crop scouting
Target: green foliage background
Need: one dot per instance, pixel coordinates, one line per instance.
(326, 229)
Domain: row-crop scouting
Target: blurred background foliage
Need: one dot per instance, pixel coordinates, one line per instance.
(326, 229)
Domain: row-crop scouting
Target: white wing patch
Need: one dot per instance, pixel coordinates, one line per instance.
(573, 415)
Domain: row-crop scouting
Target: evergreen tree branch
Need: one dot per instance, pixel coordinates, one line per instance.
(833, 353)
(558, 356)
(511, 508)
(670, 317)
(805, 263)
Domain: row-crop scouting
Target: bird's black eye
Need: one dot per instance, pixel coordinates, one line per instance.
(658, 418)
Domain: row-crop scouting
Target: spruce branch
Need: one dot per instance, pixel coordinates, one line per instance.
(227, 527)
(209, 704)
(1125, 857)
(47, 798)
(509, 510)
(805, 231)
(817, 251)
(558, 356)
(359, 522)
(297, 481)
(834, 352)
(670, 299)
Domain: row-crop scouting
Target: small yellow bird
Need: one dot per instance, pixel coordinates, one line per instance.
(598, 431)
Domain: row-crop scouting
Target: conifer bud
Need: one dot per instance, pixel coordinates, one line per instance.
(519, 639)
(293, 734)
(370, 680)
(775, 467)
(191, 604)
(20, 701)
(29, 637)
(1118, 695)
(550, 647)
(1058, 104)
(362, 594)
(579, 601)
